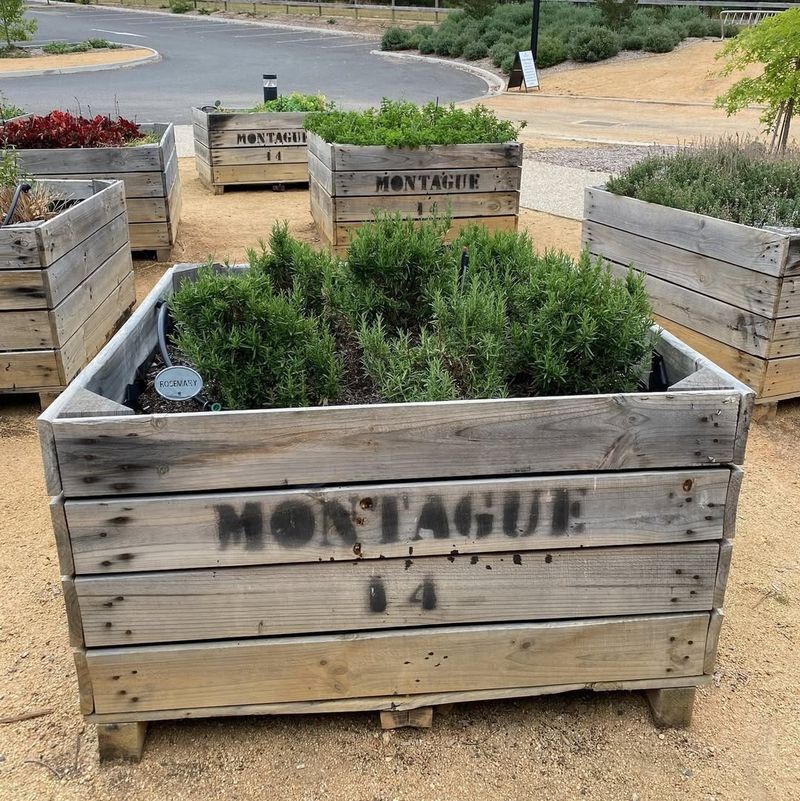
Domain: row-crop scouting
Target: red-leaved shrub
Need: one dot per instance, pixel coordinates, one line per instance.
(62, 129)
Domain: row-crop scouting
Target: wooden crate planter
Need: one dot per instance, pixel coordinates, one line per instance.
(729, 290)
(150, 175)
(249, 148)
(473, 183)
(65, 284)
(389, 557)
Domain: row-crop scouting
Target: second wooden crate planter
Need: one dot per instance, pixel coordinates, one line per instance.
(235, 148)
(389, 557)
(65, 285)
(471, 183)
(149, 173)
(729, 290)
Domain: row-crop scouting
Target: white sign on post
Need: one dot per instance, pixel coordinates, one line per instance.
(523, 71)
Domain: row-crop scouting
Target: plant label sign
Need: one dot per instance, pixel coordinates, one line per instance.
(523, 71)
(178, 383)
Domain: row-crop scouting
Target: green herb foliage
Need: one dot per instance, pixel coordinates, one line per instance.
(566, 31)
(402, 124)
(398, 320)
(729, 180)
(9, 110)
(291, 102)
(63, 48)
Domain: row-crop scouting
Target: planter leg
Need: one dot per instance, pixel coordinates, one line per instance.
(762, 412)
(672, 708)
(46, 398)
(121, 740)
(421, 718)
(217, 189)
(163, 254)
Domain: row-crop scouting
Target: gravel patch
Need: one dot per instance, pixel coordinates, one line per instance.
(555, 189)
(605, 159)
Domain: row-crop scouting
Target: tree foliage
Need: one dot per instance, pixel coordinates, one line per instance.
(775, 44)
(13, 25)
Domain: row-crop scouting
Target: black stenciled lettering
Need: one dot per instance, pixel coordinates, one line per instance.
(533, 515)
(292, 523)
(389, 521)
(382, 183)
(485, 523)
(341, 520)
(233, 528)
(511, 514)
(377, 596)
(241, 139)
(433, 517)
(463, 515)
(560, 522)
(425, 595)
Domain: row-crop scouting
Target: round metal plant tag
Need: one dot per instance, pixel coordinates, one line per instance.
(178, 383)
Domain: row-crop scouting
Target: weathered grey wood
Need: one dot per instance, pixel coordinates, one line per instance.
(732, 502)
(789, 300)
(72, 605)
(84, 403)
(395, 520)
(712, 641)
(395, 593)
(26, 330)
(396, 702)
(747, 289)
(438, 157)
(479, 204)
(138, 184)
(61, 536)
(786, 338)
(782, 378)
(672, 708)
(386, 663)
(754, 248)
(261, 173)
(419, 718)
(52, 475)
(19, 248)
(29, 371)
(704, 378)
(121, 741)
(322, 150)
(248, 121)
(22, 289)
(252, 157)
(430, 440)
(723, 570)
(272, 135)
(84, 681)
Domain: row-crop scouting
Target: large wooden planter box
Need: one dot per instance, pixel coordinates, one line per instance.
(150, 175)
(729, 290)
(389, 557)
(471, 183)
(65, 284)
(249, 148)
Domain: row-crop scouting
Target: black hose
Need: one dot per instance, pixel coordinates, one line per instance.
(17, 192)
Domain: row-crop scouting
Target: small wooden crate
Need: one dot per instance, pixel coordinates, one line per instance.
(728, 290)
(472, 183)
(150, 175)
(65, 284)
(392, 556)
(234, 148)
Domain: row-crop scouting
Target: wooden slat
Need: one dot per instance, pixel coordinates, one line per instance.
(708, 277)
(753, 248)
(71, 314)
(150, 236)
(732, 502)
(360, 665)
(290, 447)
(723, 570)
(89, 161)
(61, 536)
(323, 151)
(743, 330)
(320, 173)
(789, 301)
(147, 210)
(258, 139)
(27, 369)
(202, 153)
(97, 330)
(72, 606)
(26, 330)
(244, 157)
(190, 605)
(479, 204)
(243, 121)
(437, 157)
(86, 404)
(137, 184)
(786, 339)
(396, 520)
(382, 184)
(22, 289)
(782, 378)
(84, 681)
(19, 248)
(264, 173)
(398, 702)
(712, 641)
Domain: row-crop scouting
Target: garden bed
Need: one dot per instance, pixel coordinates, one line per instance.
(149, 173)
(728, 290)
(598, 528)
(65, 285)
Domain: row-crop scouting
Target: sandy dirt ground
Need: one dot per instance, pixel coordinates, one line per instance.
(744, 743)
(93, 58)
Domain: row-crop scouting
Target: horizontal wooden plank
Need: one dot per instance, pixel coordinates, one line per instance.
(137, 184)
(202, 153)
(258, 139)
(147, 210)
(754, 248)
(26, 330)
(786, 339)
(436, 157)
(19, 248)
(789, 301)
(396, 702)
(387, 663)
(263, 173)
(74, 267)
(394, 520)
(89, 161)
(746, 331)
(478, 204)
(703, 275)
(191, 605)
(28, 370)
(254, 121)
(149, 236)
(782, 378)
(291, 447)
(245, 157)
(22, 289)
(201, 137)
(322, 150)
(381, 183)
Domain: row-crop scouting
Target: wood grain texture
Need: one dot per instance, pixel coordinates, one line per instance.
(19, 248)
(121, 741)
(782, 378)
(84, 681)
(251, 157)
(707, 277)
(242, 120)
(754, 248)
(419, 718)
(789, 300)
(181, 606)
(732, 502)
(480, 204)
(786, 338)
(22, 289)
(395, 520)
(290, 447)
(73, 609)
(382, 183)
(672, 708)
(61, 536)
(87, 404)
(723, 571)
(712, 641)
(142, 679)
(261, 173)
(397, 702)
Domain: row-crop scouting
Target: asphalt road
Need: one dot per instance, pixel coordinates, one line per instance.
(204, 60)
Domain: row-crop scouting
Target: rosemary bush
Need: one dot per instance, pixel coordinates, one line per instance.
(727, 179)
(400, 320)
